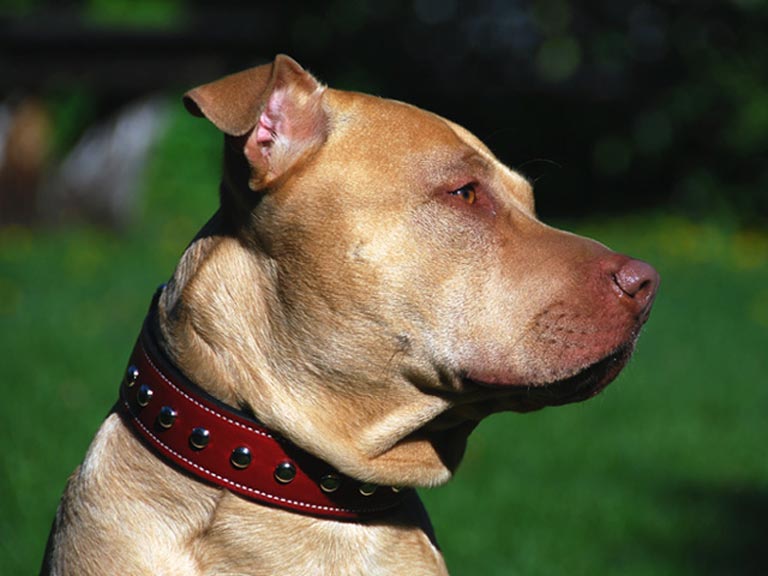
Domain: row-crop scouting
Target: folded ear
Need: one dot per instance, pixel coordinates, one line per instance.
(279, 107)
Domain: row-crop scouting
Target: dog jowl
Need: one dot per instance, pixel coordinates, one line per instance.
(374, 283)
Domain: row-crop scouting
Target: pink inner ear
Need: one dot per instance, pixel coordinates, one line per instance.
(264, 131)
(271, 119)
(292, 120)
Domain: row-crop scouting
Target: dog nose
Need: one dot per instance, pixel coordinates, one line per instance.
(638, 280)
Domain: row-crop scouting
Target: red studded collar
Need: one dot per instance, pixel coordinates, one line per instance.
(188, 429)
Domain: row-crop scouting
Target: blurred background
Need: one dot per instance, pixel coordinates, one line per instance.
(642, 123)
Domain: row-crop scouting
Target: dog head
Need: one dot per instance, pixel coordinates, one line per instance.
(376, 281)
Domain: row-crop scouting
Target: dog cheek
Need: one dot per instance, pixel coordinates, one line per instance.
(475, 323)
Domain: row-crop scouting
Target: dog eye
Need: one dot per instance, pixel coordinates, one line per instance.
(466, 193)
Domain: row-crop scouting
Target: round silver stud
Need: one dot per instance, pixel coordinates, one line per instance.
(330, 483)
(285, 472)
(131, 375)
(396, 489)
(199, 438)
(144, 395)
(166, 417)
(368, 489)
(241, 457)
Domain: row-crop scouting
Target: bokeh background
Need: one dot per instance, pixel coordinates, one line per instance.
(642, 123)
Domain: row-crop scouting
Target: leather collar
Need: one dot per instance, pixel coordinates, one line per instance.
(219, 445)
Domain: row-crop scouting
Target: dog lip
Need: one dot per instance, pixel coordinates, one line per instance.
(585, 384)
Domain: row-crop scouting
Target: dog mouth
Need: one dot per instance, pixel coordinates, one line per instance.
(479, 399)
(448, 432)
(585, 384)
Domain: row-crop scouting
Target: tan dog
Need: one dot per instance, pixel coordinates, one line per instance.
(374, 283)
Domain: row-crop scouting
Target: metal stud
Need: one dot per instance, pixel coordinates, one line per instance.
(199, 438)
(330, 483)
(285, 472)
(144, 395)
(367, 489)
(131, 375)
(166, 417)
(396, 489)
(241, 457)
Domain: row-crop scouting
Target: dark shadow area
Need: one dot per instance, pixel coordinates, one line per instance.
(608, 106)
(729, 529)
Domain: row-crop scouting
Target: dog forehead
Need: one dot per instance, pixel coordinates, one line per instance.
(361, 117)
(399, 139)
(395, 142)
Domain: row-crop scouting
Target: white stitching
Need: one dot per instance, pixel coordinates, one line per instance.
(254, 491)
(204, 407)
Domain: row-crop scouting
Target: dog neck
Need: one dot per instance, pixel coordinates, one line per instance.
(220, 445)
(225, 319)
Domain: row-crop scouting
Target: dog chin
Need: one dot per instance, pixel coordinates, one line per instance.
(585, 383)
(439, 445)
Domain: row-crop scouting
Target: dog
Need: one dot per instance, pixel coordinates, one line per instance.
(374, 283)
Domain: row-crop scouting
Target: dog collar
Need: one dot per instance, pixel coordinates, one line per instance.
(189, 429)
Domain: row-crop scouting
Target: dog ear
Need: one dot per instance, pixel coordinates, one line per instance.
(280, 104)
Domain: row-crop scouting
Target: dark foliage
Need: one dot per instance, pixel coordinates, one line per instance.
(607, 105)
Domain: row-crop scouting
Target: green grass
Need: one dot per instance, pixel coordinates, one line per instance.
(664, 473)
